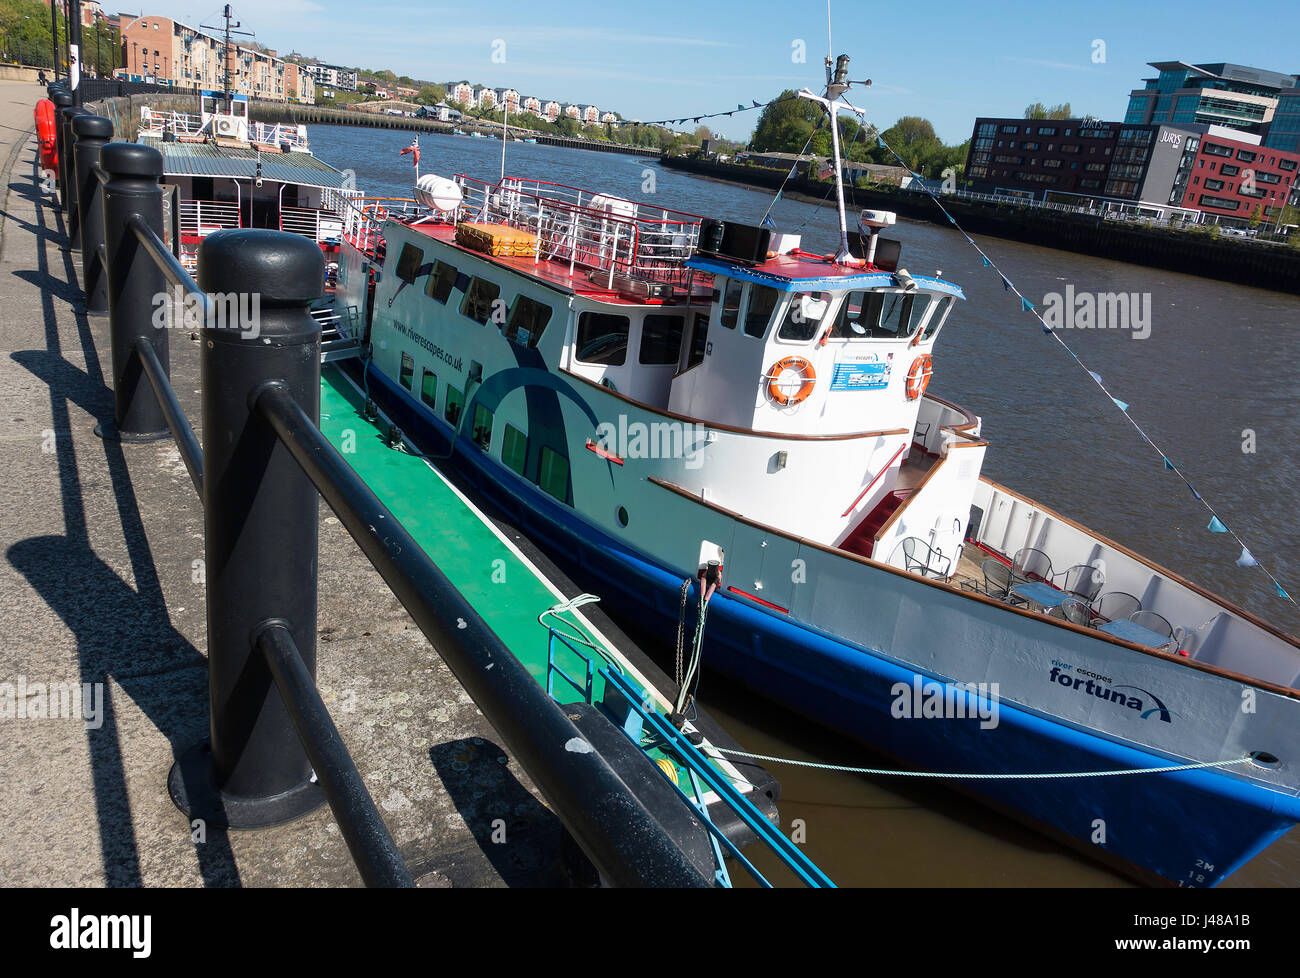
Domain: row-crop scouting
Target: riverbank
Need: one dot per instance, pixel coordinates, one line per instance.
(1192, 252)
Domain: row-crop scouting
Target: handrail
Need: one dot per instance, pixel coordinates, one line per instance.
(363, 829)
(187, 442)
(883, 470)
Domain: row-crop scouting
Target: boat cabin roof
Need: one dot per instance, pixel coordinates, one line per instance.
(804, 273)
(204, 160)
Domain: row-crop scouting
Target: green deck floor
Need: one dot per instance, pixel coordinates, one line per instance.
(505, 589)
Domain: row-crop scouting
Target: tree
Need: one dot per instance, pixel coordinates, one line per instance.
(1040, 111)
(430, 95)
(785, 124)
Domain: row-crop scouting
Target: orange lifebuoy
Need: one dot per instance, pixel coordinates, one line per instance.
(45, 134)
(775, 383)
(918, 377)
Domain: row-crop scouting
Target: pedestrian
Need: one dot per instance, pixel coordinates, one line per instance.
(40, 79)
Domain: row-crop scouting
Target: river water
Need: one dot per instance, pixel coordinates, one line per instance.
(1214, 374)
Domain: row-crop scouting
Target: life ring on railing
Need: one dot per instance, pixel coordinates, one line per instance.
(45, 134)
(918, 377)
(775, 382)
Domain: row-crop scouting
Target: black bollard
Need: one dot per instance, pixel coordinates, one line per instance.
(134, 284)
(68, 173)
(91, 132)
(62, 99)
(260, 521)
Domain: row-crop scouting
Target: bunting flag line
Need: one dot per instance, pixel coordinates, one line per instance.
(1216, 525)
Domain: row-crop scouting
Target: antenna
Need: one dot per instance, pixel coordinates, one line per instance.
(837, 84)
(228, 30)
(505, 136)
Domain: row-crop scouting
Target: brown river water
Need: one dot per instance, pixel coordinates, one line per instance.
(1218, 361)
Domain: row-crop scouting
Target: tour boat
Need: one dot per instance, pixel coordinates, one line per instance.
(668, 402)
(231, 172)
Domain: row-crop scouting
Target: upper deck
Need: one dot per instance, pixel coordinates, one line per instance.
(608, 248)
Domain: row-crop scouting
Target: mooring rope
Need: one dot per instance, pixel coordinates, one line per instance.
(978, 777)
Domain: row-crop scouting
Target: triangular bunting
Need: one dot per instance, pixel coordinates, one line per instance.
(1280, 592)
(1026, 305)
(1006, 285)
(1195, 495)
(1246, 560)
(1168, 464)
(1095, 376)
(1216, 525)
(985, 259)
(1122, 405)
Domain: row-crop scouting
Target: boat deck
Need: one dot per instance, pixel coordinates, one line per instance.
(499, 581)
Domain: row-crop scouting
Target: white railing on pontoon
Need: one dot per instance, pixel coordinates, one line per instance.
(319, 225)
(202, 217)
(155, 123)
(278, 135)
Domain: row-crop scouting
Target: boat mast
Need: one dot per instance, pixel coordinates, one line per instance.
(228, 14)
(836, 85)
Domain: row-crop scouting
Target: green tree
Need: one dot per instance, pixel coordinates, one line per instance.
(1040, 111)
(785, 124)
(430, 94)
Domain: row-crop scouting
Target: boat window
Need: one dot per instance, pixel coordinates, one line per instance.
(482, 429)
(762, 300)
(429, 388)
(937, 318)
(408, 263)
(661, 339)
(408, 370)
(441, 281)
(921, 304)
(514, 448)
(699, 340)
(602, 338)
(873, 316)
(730, 311)
(479, 299)
(527, 320)
(803, 318)
(554, 474)
(455, 401)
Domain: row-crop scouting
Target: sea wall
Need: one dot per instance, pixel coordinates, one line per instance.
(1245, 262)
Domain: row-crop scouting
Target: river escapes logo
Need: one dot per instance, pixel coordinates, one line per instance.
(1103, 688)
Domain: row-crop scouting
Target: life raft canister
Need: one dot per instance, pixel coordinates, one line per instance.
(45, 134)
(775, 383)
(918, 377)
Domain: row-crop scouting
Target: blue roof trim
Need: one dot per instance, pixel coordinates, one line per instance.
(783, 283)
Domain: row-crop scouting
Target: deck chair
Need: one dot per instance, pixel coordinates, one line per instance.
(919, 557)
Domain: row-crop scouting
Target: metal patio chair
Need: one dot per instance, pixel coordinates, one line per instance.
(1083, 581)
(920, 557)
(997, 579)
(1032, 565)
(1114, 605)
(1157, 623)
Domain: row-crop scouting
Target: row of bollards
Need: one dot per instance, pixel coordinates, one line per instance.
(260, 510)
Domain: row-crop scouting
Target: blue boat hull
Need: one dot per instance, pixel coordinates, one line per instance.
(1189, 828)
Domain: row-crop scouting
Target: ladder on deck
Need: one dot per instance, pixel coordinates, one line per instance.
(339, 339)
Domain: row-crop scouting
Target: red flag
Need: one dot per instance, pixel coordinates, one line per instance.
(414, 148)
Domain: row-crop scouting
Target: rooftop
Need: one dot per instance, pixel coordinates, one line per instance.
(206, 160)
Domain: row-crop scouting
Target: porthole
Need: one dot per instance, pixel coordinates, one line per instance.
(622, 516)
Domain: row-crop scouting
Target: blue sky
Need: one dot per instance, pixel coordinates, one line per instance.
(948, 62)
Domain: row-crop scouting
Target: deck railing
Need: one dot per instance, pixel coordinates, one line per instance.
(202, 217)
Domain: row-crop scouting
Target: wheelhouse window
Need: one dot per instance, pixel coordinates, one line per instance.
(455, 401)
(429, 388)
(482, 428)
(407, 372)
(514, 448)
(936, 318)
(554, 474)
(661, 339)
(441, 281)
(803, 318)
(874, 316)
(408, 263)
(699, 341)
(762, 300)
(602, 338)
(479, 297)
(527, 320)
(729, 312)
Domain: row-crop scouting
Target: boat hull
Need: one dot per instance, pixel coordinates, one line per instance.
(1187, 828)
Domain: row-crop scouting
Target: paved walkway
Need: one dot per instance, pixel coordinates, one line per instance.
(98, 584)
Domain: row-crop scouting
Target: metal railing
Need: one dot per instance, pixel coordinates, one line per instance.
(273, 753)
(202, 217)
